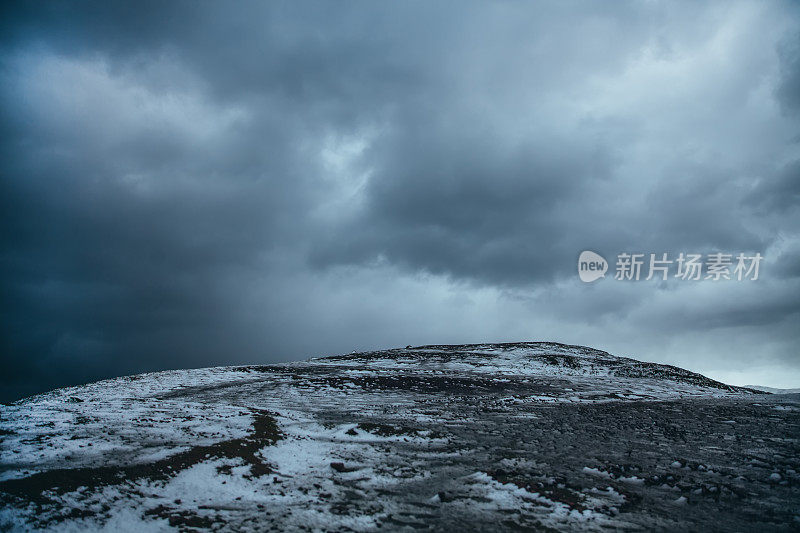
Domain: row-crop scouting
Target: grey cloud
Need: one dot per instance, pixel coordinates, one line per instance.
(778, 192)
(461, 204)
(192, 184)
(789, 85)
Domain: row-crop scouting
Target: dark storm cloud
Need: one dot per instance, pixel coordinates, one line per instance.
(779, 194)
(187, 184)
(457, 202)
(788, 89)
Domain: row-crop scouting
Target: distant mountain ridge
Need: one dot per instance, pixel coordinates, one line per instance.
(772, 390)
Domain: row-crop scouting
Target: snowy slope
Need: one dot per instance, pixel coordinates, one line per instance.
(523, 435)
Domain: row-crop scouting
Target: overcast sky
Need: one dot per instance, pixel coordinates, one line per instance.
(194, 184)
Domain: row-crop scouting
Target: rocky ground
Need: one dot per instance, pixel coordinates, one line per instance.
(527, 436)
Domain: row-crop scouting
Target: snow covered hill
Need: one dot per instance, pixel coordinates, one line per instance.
(507, 436)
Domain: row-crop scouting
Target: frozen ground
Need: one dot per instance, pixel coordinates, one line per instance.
(531, 436)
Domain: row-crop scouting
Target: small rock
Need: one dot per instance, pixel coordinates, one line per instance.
(339, 467)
